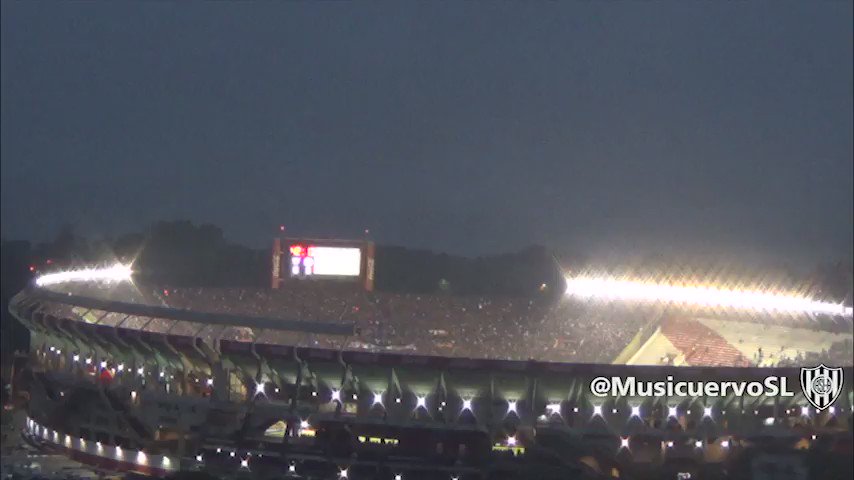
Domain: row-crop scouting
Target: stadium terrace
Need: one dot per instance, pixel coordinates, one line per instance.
(330, 381)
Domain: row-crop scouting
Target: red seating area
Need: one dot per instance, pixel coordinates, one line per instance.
(700, 344)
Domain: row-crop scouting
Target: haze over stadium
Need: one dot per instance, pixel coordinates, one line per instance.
(406, 240)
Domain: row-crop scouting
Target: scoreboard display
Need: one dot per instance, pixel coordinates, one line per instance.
(313, 259)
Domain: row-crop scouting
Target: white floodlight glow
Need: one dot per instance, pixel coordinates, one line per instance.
(671, 411)
(342, 473)
(58, 351)
(336, 396)
(141, 458)
(805, 411)
(553, 408)
(162, 374)
(231, 454)
(88, 361)
(140, 371)
(166, 462)
(511, 440)
(624, 442)
(199, 458)
(511, 406)
(218, 449)
(398, 476)
(76, 358)
(610, 288)
(103, 364)
(244, 463)
(303, 424)
(670, 444)
(210, 382)
(259, 389)
(116, 273)
(698, 444)
(831, 410)
(707, 411)
(597, 410)
(119, 452)
(121, 367)
(378, 398)
(292, 468)
(725, 444)
(421, 402)
(466, 404)
(636, 410)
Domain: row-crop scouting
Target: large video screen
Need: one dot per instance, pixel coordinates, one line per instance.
(326, 261)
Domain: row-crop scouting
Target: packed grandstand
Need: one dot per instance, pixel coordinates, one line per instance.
(327, 380)
(493, 327)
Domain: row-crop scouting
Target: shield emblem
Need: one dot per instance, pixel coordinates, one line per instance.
(821, 385)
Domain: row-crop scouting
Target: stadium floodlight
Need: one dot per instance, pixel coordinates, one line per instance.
(554, 408)
(103, 364)
(698, 296)
(378, 398)
(218, 449)
(670, 444)
(707, 411)
(831, 410)
(511, 406)
(210, 382)
(805, 411)
(466, 404)
(119, 452)
(725, 444)
(199, 458)
(231, 454)
(76, 358)
(336, 396)
(52, 348)
(140, 371)
(303, 424)
(398, 476)
(121, 367)
(342, 473)
(116, 273)
(597, 410)
(421, 402)
(624, 442)
(511, 440)
(141, 458)
(259, 389)
(58, 351)
(636, 410)
(88, 361)
(244, 463)
(671, 412)
(698, 444)
(292, 468)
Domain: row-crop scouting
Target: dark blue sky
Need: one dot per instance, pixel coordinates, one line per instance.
(610, 128)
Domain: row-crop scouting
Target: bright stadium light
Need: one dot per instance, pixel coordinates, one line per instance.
(700, 296)
(597, 410)
(259, 389)
(624, 442)
(511, 441)
(378, 399)
(707, 411)
(421, 402)
(116, 273)
(636, 410)
(343, 473)
(511, 406)
(336, 396)
(466, 404)
(805, 411)
(671, 412)
(554, 408)
(76, 357)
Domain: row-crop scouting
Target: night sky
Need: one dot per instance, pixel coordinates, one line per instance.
(608, 128)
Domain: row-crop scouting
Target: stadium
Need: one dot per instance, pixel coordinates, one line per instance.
(322, 376)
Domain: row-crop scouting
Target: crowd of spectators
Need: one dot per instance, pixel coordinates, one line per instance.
(513, 328)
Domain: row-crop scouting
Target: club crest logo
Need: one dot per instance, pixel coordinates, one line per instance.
(821, 385)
